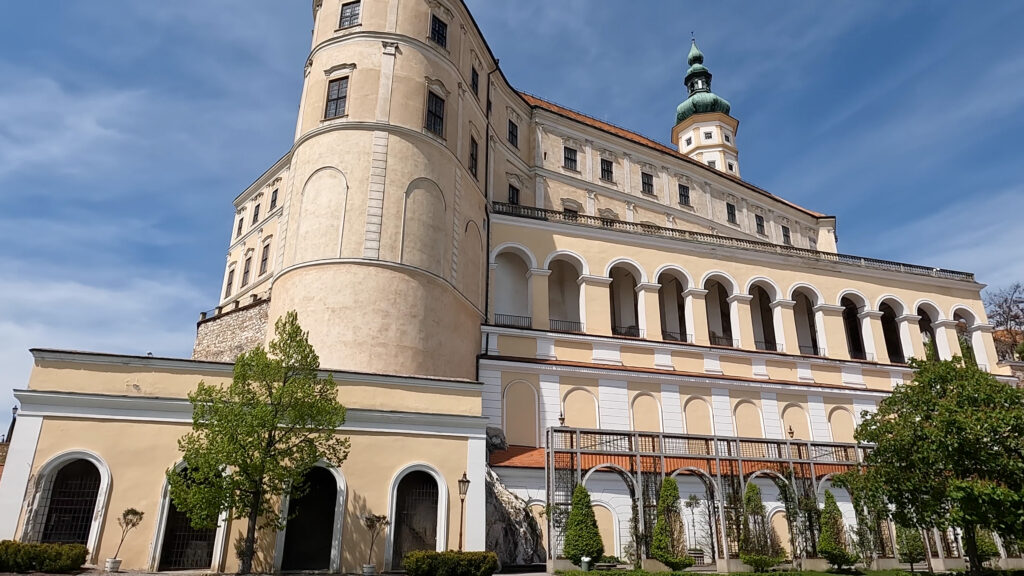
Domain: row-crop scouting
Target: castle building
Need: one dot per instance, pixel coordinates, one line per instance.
(468, 258)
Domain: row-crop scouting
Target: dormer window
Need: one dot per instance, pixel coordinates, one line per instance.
(732, 167)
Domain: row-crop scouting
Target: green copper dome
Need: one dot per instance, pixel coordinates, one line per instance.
(698, 81)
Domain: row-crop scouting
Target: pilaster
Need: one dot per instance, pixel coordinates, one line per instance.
(874, 338)
(598, 314)
(984, 346)
(538, 282)
(910, 336)
(741, 320)
(650, 311)
(696, 315)
(785, 325)
(829, 319)
(946, 339)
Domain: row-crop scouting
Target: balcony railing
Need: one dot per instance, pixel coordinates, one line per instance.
(767, 346)
(670, 336)
(565, 326)
(811, 351)
(713, 239)
(717, 340)
(513, 321)
(862, 355)
(628, 331)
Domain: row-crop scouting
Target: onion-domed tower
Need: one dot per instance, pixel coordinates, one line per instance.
(704, 129)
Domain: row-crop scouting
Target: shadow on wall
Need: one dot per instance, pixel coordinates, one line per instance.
(356, 538)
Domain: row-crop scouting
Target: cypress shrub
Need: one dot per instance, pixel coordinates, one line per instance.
(831, 540)
(581, 535)
(668, 544)
(759, 544)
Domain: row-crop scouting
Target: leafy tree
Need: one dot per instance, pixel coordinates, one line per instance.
(911, 546)
(1005, 309)
(949, 451)
(582, 537)
(759, 544)
(832, 539)
(987, 549)
(256, 438)
(668, 544)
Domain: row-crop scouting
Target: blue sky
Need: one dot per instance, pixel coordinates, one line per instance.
(127, 127)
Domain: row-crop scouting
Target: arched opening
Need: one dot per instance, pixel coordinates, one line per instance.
(564, 297)
(672, 307)
(310, 527)
(511, 291)
(646, 414)
(321, 211)
(69, 502)
(891, 333)
(699, 513)
(927, 328)
(580, 409)
(964, 321)
(185, 547)
(625, 315)
(614, 490)
(763, 319)
(806, 325)
(719, 315)
(520, 414)
(852, 326)
(415, 518)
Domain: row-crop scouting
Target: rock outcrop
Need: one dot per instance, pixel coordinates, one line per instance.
(512, 531)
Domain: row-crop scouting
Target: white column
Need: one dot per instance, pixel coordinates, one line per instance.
(476, 499)
(627, 166)
(977, 334)
(588, 166)
(14, 482)
(868, 318)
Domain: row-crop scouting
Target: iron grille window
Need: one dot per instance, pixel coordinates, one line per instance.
(684, 194)
(438, 31)
(230, 284)
(647, 183)
(264, 259)
(256, 214)
(245, 272)
(570, 159)
(71, 503)
(473, 153)
(435, 114)
(730, 212)
(337, 98)
(513, 134)
(273, 199)
(513, 195)
(759, 221)
(787, 236)
(238, 231)
(349, 14)
(474, 81)
(607, 170)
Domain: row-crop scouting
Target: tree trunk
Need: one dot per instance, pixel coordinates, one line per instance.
(249, 545)
(971, 543)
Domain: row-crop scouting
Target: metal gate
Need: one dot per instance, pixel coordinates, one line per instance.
(415, 516)
(71, 503)
(185, 547)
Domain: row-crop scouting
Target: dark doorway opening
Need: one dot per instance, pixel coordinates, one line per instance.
(309, 532)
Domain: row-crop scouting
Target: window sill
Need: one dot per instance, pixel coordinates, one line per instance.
(440, 47)
(430, 134)
(348, 28)
(333, 119)
(687, 206)
(574, 171)
(609, 182)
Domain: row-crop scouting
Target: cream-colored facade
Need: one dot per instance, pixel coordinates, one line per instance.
(465, 256)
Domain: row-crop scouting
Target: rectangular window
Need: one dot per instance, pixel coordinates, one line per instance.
(337, 98)
(689, 141)
(684, 194)
(570, 159)
(473, 155)
(607, 170)
(759, 221)
(513, 195)
(712, 164)
(238, 232)
(513, 134)
(245, 271)
(230, 283)
(255, 214)
(349, 14)
(708, 135)
(435, 114)
(728, 138)
(647, 183)
(787, 237)
(273, 199)
(474, 81)
(265, 259)
(730, 212)
(438, 31)
(731, 166)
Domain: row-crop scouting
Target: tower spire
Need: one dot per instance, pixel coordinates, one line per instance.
(704, 130)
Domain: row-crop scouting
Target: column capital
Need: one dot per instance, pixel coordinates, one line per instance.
(538, 272)
(739, 298)
(647, 287)
(586, 279)
(873, 314)
(984, 328)
(695, 293)
(829, 309)
(911, 318)
(944, 324)
(784, 304)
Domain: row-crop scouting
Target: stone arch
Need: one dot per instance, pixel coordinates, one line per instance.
(892, 309)
(724, 278)
(720, 288)
(809, 327)
(426, 227)
(565, 298)
(644, 413)
(578, 262)
(602, 527)
(767, 284)
(521, 402)
(743, 413)
(321, 215)
(763, 292)
(517, 248)
(894, 301)
(511, 293)
(625, 304)
(931, 308)
(972, 344)
(571, 418)
(167, 513)
(678, 272)
(676, 324)
(441, 528)
(854, 304)
(338, 520)
(817, 298)
(854, 295)
(698, 417)
(629, 264)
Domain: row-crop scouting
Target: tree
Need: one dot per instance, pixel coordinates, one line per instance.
(582, 537)
(668, 544)
(832, 539)
(987, 548)
(910, 545)
(949, 451)
(1005, 309)
(256, 438)
(759, 544)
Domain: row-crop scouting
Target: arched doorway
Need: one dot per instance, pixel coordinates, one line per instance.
(852, 325)
(71, 503)
(185, 547)
(891, 332)
(310, 527)
(415, 517)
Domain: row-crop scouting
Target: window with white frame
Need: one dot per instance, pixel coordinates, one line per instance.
(569, 159)
(229, 286)
(647, 183)
(246, 270)
(337, 98)
(273, 199)
(350, 12)
(255, 214)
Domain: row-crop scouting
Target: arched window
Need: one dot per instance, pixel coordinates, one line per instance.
(763, 318)
(672, 307)
(806, 325)
(416, 515)
(625, 318)
(564, 296)
(891, 333)
(852, 325)
(926, 325)
(964, 322)
(511, 291)
(69, 502)
(719, 314)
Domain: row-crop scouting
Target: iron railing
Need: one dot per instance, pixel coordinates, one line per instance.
(565, 326)
(767, 345)
(717, 340)
(811, 350)
(713, 239)
(513, 321)
(628, 331)
(676, 336)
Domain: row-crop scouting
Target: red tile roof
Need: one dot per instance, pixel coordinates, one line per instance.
(519, 457)
(654, 145)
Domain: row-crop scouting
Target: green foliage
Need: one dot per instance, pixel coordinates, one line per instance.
(947, 451)
(581, 535)
(375, 524)
(451, 563)
(256, 438)
(606, 559)
(53, 558)
(759, 544)
(832, 539)
(668, 543)
(911, 546)
(987, 549)
(128, 521)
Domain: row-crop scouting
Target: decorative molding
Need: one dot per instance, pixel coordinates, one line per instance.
(339, 70)
(436, 85)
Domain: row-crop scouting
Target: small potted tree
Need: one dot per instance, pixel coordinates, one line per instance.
(129, 520)
(375, 524)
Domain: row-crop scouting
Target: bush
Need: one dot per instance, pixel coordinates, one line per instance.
(668, 545)
(831, 541)
(759, 544)
(21, 557)
(581, 535)
(451, 563)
